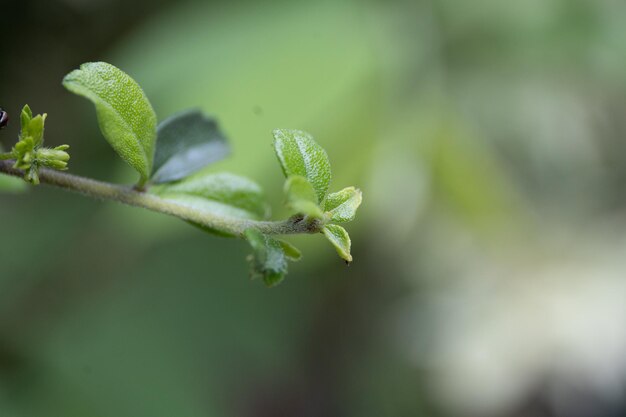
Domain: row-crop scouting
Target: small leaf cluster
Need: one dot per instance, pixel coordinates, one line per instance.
(308, 175)
(170, 158)
(307, 168)
(29, 152)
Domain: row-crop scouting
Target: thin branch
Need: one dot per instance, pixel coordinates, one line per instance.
(126, 195)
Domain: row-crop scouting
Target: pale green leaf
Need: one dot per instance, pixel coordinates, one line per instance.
(340, 239)
(222, 193)
(26, 115)
(342, 206)
(9, 184)
(301, 197)
(268, 260)
(125, 115)
(35, 129)
(300, 155)
(187, 142)
(291, 251)
(32, 127)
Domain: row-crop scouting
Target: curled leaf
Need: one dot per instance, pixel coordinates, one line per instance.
(341, 206)
(125, 115)
(292, 253)
(340, 239)
(299, 154)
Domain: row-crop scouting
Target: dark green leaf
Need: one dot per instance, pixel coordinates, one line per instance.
(187, 142)
(342, 206)
(300, 155)
(340, 239)
(125, 115)
(268, 260)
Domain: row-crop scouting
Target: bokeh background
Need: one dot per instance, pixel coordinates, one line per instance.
(488, 137)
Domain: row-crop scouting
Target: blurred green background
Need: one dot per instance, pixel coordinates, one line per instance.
(489, 140)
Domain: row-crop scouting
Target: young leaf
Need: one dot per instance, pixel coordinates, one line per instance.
(301, 197)
(340, 239)
(125, 115)
(55, 158)
(223, 193)
(341, 206)
(268, 260)
(25, 116)
(187, 142)
(300, 155)
(291, 252)
(32, 127)
(28, 152)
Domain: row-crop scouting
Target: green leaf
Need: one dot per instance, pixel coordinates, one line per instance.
(125, 115)
(340, 239)
(26, 115)
(10, 184)
(300, 155)
(187, 142)
(32, 127)
(222, 193)
(301, 197)
(268, 260)
(292, 253)
(342, 206)
(28, 152)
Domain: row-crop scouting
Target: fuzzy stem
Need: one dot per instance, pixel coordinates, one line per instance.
(106, 191)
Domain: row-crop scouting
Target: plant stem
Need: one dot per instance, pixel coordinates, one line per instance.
(126, 195)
